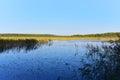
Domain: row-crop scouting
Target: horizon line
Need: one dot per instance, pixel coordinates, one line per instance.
(58, 34)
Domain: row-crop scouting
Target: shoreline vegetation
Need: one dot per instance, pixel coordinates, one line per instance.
(48, 37)
(27, 44)
(32, 41)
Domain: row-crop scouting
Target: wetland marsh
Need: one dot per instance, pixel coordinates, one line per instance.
(60, 60)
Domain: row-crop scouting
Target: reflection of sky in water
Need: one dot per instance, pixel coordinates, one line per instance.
(61, 60)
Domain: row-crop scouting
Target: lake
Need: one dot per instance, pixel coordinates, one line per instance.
(61, 60)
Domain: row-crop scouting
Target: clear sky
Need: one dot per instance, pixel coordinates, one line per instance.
(64, 17)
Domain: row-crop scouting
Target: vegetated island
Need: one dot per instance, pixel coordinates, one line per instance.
(46, 37)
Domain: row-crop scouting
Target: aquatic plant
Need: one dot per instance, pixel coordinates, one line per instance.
(27, 44)
(104, 62)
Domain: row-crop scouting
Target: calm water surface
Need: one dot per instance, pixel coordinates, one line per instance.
(60, 60)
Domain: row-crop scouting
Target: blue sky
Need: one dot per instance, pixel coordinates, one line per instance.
(63, 17)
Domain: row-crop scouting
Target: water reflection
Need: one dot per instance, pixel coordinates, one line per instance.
(104, 62)
(60, 60)
(27, 45)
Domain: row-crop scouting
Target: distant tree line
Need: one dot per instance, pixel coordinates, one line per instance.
(117, 34)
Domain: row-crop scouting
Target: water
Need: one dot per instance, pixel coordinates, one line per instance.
(60, 60)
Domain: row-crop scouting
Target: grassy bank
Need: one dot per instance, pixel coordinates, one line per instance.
(46, 37)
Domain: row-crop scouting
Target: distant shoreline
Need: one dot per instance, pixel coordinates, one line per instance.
(103, 36)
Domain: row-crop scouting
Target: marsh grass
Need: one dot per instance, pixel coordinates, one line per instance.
(61, 38)
(26, 44)
(47, 37)
(105, 62)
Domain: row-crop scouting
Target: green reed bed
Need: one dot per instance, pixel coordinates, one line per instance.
(26, 44)
(47, 37)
